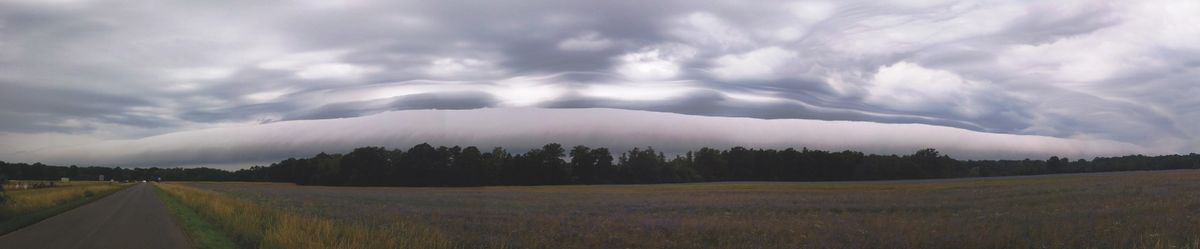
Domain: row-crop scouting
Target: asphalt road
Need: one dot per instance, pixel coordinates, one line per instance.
(131, 218)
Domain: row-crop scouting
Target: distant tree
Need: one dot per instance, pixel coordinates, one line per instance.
(711, 164)
(551, 168)
(327, 169)
(365, 166)
(646, 166)
(421, 163)
(933, 164)
(583, 165)
(683, 169)
(468, 165)
(1053, 165)
(605, 170)
(493, 167)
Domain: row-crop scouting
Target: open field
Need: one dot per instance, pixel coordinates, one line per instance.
(28, 200)
(1113, 210)
(250, 225)
(30, 205)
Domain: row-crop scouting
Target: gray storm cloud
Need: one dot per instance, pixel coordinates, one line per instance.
(519, 129)
(86, 72)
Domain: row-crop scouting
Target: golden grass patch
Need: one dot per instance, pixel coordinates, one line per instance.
(255, 226)
(31, 200)
(1109, 210)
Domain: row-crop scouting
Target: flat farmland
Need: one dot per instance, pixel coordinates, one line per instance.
(1113, 210)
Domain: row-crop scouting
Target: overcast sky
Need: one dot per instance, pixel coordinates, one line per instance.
(85, 82)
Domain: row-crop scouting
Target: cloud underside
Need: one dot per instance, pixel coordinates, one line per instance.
(519, 129)
(75, 72)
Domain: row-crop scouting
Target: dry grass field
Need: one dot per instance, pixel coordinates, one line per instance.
(253, 226)
(1117, 210)
(28, 206)
(31, 200)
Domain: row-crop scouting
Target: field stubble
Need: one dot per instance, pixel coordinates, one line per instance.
(1126, 210)
(24, 207)
(31, 200)
(253, 226)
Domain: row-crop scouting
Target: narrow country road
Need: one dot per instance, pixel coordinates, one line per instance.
(131, 218)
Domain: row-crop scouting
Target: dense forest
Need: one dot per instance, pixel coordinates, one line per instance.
(426, 165)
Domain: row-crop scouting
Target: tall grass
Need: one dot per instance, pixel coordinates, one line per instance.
(27, 201)
(254, 226)
(1118, 211)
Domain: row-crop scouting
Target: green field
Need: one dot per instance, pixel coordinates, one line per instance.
(1113, 210)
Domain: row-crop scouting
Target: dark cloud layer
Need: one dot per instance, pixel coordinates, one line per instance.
(81, 71)
(519, 129)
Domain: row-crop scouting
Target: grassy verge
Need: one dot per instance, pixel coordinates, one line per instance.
(27, 207)
(253, 226)
(202, 234)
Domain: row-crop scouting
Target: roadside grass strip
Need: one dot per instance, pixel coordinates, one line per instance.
(253, 226)
(202, 234)
(48, 203)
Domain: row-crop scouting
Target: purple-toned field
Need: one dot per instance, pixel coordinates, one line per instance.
(1116, 210)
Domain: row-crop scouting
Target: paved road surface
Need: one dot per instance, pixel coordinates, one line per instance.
(131, 218)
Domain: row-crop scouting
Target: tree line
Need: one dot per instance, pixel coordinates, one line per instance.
(39, 171)
(552, 164)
